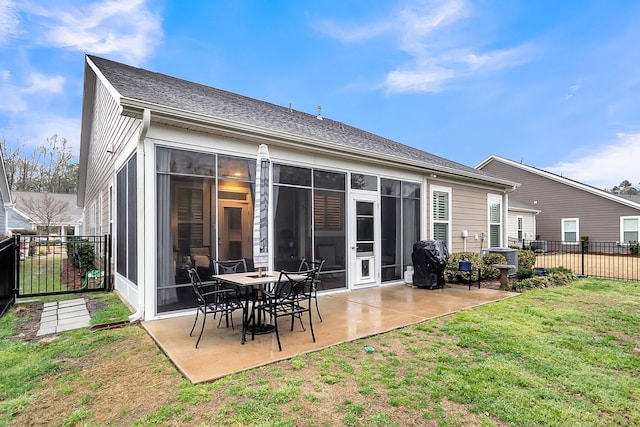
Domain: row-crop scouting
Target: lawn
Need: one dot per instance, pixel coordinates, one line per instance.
(552, 357)
(42, 274)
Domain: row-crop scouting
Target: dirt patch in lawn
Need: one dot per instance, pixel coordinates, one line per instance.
(128, 380)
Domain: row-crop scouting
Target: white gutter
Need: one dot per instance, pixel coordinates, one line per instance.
(132, 107)
(140, 217)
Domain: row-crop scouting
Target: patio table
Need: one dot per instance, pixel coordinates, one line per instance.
(251, 282)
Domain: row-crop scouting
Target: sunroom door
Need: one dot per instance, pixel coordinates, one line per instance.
(365, 232)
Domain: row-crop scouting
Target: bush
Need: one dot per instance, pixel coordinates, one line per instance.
(554, 270)
(526, 273)
(489, 272)
(548, 281)
(634, 247)
(25, 231)
(526, 258)
(452, 271)
(82, 255)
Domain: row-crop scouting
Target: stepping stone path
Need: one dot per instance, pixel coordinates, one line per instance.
(64, 316)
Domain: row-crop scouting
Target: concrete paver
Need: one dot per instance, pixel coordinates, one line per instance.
(62, 316)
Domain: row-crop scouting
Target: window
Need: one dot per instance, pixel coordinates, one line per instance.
(520, 228)
(309, 220)
(364, 182)
(570, 230)
(495, 220)
(400, 215)
(629, 226)
(126, 199)
(441, 214)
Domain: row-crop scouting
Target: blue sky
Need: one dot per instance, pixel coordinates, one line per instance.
(555, 84)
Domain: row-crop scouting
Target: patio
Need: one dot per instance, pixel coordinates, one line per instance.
(347, 316)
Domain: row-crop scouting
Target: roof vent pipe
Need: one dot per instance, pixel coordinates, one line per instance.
(319, 116)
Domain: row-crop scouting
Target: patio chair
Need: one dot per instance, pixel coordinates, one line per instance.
(317, 266)
(289, 298)
(230, 266)
(212, 298)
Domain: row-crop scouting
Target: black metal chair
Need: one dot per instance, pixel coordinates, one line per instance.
(212, 298)
(230, 266)
(290, 297)
(317, 266)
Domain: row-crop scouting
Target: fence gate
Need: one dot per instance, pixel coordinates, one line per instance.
(8, 267)
(51, 265)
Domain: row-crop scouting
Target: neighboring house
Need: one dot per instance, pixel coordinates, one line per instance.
(521, 224)
(6, 206)
(56, 213)
(169, 167)
(569, 210)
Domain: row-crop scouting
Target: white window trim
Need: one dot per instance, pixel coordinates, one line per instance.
(495, 198)
(520, 227)
(562, 222)
(433, 189)
(622, 218)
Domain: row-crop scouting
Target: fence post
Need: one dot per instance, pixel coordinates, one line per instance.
(585, 245)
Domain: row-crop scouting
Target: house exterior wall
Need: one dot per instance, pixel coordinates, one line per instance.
(16, 221)
(113, 138)
(599, 218)
(469, 204)
(110, 147)
(528, 226)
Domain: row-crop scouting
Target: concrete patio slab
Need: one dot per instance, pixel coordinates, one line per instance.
(347, 316)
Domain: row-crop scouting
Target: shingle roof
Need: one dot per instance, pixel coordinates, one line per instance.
(163, 90)
(22, 198)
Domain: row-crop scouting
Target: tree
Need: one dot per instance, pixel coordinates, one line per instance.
(48, 168)
(46, 211)
(625, 187)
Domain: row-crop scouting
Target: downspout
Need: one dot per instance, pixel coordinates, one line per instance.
(140, 217)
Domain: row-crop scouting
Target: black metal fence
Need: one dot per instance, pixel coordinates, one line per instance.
(8, 269)
(609, 260)
(52, 265)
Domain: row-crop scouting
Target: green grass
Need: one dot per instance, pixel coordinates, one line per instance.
(551, 357)
(25, 364)
(41, 274)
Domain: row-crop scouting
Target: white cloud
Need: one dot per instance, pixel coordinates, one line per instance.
(8, 20)
(11, 99)
(125, 28)
(427, 32)
(32, 128)
(42, 83)
(15, 98)
(607, 167)
(353, 34)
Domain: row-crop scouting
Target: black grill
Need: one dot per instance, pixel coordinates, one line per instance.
(429, 263)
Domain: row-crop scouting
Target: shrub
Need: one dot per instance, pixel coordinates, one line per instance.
(553, 270)
(634, 247)
(525, 273)
(25, 232)
(550, 280)
(526, 258)
(82, 255)
(489, 272)
(452, 266)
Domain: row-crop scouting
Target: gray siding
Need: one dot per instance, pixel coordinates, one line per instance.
(17, 221)
(109, 133)
(469, 212)
(599, 217)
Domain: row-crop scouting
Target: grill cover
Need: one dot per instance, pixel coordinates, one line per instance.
(429, 263)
